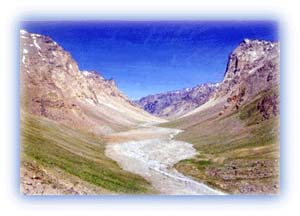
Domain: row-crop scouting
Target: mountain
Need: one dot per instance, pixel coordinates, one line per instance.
(171, 105)
(66, 116)
(52, 86)
(236, 132)
(253, 68)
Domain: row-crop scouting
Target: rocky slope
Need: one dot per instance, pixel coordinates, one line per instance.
(173, 104)
(253, 68)
(236, 132)
(52, 86)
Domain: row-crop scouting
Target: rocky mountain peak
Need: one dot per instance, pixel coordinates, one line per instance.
(252, 59)
(253, 68)
(249, 55)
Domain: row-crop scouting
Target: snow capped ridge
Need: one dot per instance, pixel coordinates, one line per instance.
(92, 74)
(86, 73)
(35, 44)
(22, 31)
(213, 84)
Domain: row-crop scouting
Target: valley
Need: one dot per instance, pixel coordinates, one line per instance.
(154, 159)
(80, 135)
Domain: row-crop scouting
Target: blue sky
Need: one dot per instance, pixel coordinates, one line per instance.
(147, 57)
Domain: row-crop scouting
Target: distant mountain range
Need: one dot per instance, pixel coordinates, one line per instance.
(173, 104)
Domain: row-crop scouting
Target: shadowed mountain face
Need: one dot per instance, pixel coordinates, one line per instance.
(237, 131)
(174, 104)
(52, 86)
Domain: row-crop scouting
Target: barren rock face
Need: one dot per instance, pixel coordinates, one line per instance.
(252, 62)
(52, 86)
(177, 103)
(252, 71)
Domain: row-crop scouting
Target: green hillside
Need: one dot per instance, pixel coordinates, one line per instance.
(77, 153)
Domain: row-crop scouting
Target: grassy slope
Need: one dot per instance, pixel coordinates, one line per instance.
(238, 153)
(75, 152)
